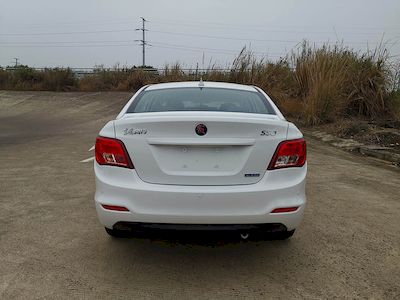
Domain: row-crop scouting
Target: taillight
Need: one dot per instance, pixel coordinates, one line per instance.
(289, 154)
(112, 152)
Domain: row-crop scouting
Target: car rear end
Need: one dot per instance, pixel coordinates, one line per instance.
(208, 156)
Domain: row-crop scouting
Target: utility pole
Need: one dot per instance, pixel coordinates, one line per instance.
(143, 41)
(16, 62)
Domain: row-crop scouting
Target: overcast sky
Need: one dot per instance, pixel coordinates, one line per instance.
(86, 33)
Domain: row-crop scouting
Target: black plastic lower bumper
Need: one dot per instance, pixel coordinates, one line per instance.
(132, 226)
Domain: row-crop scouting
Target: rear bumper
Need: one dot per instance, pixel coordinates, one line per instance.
(171, 204)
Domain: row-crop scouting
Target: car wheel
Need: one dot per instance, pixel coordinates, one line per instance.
(117, 233)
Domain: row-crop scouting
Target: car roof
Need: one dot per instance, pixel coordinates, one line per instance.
(205, 84)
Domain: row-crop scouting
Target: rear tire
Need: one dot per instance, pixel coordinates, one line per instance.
(283, 235)
(116, 233)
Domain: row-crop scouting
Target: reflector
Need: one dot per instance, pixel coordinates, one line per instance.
(114, 207)
(284, 209)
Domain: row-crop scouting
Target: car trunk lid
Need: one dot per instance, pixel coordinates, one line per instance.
(166, 149)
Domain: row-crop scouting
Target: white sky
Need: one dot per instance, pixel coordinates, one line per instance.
(85, 33)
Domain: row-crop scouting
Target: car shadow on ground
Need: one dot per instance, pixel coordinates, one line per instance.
(209, 255)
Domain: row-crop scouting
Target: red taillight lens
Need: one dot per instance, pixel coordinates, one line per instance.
(112, 152)
(289, 154)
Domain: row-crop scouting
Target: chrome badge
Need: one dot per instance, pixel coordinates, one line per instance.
(268, 132)
(133, 131)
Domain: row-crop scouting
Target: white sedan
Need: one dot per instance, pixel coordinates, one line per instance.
(200, 155)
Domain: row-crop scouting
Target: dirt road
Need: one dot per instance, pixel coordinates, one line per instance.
(52, 246)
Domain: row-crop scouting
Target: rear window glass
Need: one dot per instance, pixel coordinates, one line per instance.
(201, 99)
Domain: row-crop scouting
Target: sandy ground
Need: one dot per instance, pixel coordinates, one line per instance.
(52, 246)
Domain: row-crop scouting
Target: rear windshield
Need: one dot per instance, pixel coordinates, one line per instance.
(201, 99)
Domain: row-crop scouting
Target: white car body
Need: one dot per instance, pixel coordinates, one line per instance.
(180, 177)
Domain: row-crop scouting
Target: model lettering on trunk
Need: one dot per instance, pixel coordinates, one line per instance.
(252, 175)
(133, 131)
(268, 132)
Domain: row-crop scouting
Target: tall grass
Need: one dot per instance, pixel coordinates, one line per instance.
(25, 78)
(314, 85)
(335, 81)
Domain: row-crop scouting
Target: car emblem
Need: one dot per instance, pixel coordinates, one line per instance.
(201, 129)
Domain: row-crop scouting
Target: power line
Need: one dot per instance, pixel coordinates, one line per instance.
(257, 28)
(201, 50)
(182, 34)
(213, 50)
(65, 32)
(195, 50)
(61, 44)
(127, 43)
(174, 33)
(201, 24)
(85, 22)
(68, 46)
(66, 42)
(205, 48)
(249, 39)
(221, 37)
